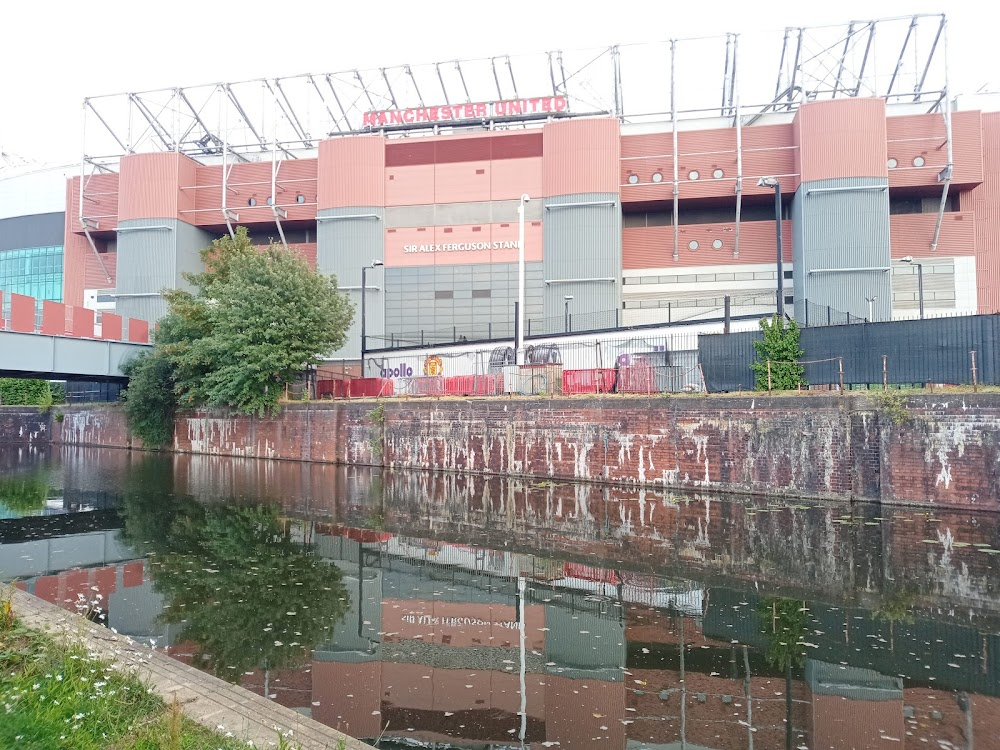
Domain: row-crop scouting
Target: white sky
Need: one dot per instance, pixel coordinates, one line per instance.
(53, 54)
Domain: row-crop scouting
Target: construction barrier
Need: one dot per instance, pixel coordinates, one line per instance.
(598, 380)
(474, 385)
(356, 388)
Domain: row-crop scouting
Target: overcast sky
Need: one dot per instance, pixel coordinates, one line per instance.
(53, 54)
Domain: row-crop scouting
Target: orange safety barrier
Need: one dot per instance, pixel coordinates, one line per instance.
(598, 380)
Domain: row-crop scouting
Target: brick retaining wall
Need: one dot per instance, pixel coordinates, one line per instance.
(945, 452)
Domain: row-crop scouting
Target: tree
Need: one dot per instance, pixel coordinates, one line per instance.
(254, 320)
(780, 346)
(270, 317)
(149, 398)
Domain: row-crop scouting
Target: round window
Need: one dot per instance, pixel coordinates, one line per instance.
(892, 163)
(300, 198)
(693, 245)
(918, 161)
(718, 174)
(633, 179)
(693, 174)
(252, 202)
(657, 177)
(270, 201)
(717, 244)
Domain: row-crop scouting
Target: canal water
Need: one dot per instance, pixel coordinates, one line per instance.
(441, 611)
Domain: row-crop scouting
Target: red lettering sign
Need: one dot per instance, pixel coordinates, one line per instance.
(513, 108)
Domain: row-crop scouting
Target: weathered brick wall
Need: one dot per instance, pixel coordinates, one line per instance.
(24, 425)
(946, 451)
(92, 425)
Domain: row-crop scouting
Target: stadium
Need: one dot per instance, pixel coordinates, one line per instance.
(618, 188)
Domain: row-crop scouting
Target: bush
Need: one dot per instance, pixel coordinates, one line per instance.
(780, 347)
(149, 399)
(25, 392)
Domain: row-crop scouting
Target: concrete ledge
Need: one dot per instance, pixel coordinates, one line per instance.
(205, 699)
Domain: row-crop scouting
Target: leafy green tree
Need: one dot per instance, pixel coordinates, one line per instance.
(270, 316)
(242, 589)
(25, 392)
(780, 346)
(253, 321)
(149, 398)
(785, 623)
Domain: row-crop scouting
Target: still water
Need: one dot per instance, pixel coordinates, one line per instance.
(461, 612)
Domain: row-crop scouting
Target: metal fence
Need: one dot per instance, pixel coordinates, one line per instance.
(636, 313)
(636, 364)
(953, 351)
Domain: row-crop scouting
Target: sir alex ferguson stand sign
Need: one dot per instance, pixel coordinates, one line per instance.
(509, 110)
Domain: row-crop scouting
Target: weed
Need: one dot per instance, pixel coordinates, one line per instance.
(891, 404)
(59, 416)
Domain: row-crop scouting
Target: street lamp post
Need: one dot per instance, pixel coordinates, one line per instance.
(567, 298)
(920, 281)
(519, 344)
(772, 182)
(364, 288)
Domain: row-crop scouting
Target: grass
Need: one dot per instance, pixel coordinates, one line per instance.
(55, 696)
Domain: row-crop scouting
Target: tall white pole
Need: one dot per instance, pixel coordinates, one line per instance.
(520, 280)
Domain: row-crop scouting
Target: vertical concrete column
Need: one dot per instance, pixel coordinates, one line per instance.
(351, 228)
(840, 213)
(157, 241)
(582, 220)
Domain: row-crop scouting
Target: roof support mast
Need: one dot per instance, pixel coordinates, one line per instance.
(673, 126)
(944, 176)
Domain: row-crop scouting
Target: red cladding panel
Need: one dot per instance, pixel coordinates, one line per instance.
(138, 331)
(582, 156)
(148, 186)
(53, 318)
(83, 323)
(985, 204)
(923, 137)
(352, 172)
(768, 150)
(509, 178)
(22, 313)
(841, 138)
(100, 203)
(409, 185)
(111, 326)
(462, 182)
(912, 234)
(653, 247)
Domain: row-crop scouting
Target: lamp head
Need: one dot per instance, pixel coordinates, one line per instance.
(568, 297)
(525, 198)
(377, 263)
(906, 259)
(770, 182)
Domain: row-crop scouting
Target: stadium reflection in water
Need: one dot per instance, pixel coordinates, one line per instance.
(448, 611)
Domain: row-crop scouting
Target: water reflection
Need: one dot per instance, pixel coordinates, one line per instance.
(648, 621)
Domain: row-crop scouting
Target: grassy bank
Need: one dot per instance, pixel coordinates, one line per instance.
(54, 695)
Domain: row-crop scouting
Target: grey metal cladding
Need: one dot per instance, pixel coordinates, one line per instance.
(38, 230)
(346, 240)
(846, 228)
(457, 214)
(582, 242)
(153, 255)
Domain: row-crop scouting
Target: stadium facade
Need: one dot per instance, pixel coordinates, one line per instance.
(889, 190)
